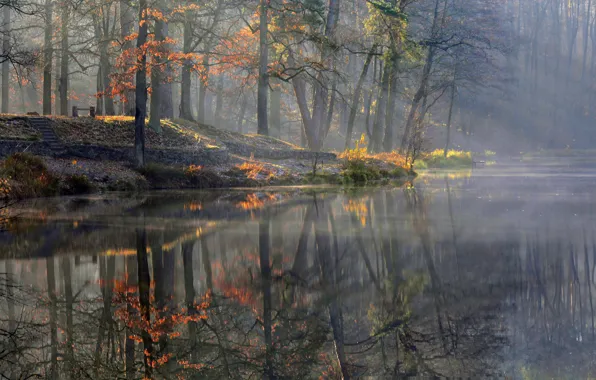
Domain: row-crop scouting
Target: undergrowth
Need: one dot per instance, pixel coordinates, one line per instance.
(436, 159)
(361, 167)
(27, 176)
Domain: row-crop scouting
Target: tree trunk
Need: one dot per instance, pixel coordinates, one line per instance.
(141, 88)
(157, 75)
(330, 109)
(451, 102)
(185, 108)
(420, 93)
(6, 63)
(47, 59)
(219, 102)
(422, 88)
(203, 89)
(314, 126)
(262, 122)
(242, 113)
(391, 99)
(63, 87)
(57, 66)
(275, 111)
(357, 94)
(377, 132)
(127, 21)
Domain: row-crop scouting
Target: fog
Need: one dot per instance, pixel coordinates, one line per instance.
(513, 75)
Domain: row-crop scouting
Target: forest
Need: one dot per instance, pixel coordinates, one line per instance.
(316, 73)
(297, 189)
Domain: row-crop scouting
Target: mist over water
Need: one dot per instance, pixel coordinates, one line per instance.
(461, 274)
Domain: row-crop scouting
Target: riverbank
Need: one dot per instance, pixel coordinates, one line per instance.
(96, 155)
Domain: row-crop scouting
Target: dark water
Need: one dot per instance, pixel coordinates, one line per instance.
(467, 275)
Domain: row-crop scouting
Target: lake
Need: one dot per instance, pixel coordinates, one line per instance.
(467, 274)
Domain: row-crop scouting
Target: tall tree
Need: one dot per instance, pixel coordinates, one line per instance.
(127, 20)
(64, 56)
(141, 86)
(161, 94)
(263, 90)
(6, 64)
(47, 58)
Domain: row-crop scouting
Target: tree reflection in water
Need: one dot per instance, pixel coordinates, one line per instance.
(339, 286)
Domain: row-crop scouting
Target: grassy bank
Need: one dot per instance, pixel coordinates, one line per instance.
(26, 176)
(455, 159)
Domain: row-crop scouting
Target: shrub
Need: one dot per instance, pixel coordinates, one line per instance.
(199, 177)
(77, 184)
(360, 173)
(29, 176)
(161, 173)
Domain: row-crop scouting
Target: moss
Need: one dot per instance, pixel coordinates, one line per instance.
(29, 176)
(76, 184)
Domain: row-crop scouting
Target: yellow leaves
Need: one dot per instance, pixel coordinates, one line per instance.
(359, 153)
(251, 169)
(193, 169)
(4, 188)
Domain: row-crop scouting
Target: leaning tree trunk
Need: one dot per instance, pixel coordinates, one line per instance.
(357, 94)
(6, 63)
(420, 93)
(141, 88)
(47, 59)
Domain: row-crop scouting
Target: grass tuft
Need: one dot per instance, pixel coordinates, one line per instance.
(436, 159)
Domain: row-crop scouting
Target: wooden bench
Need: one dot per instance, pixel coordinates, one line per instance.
(75, 111)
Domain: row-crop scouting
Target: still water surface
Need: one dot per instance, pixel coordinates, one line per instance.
(457, 275)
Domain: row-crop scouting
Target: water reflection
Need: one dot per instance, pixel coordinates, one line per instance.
(389, 283)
